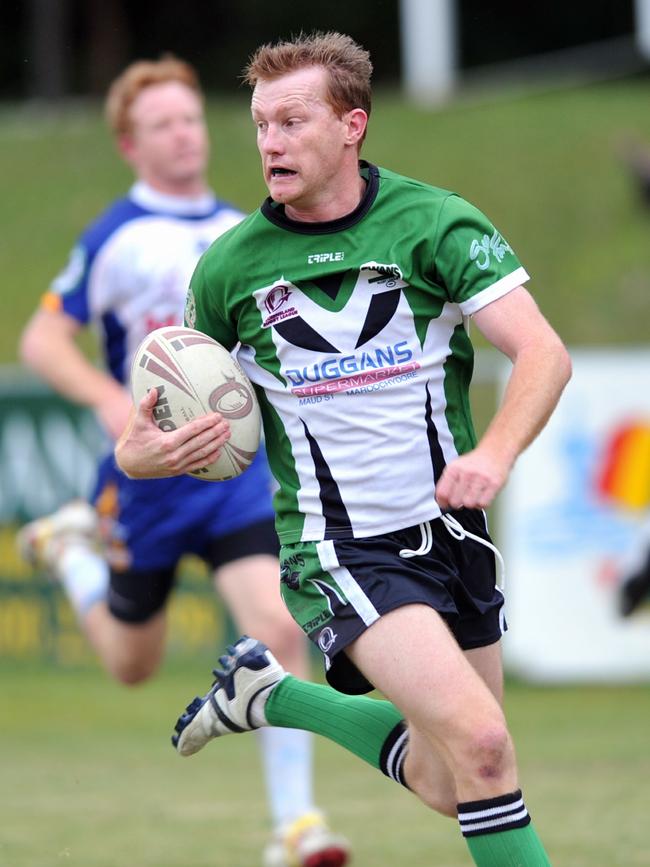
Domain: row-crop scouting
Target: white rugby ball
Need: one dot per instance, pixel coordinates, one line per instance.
(195, 375)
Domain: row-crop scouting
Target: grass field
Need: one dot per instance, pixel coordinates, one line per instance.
(87, 775)
(544, 167)
(89, 780)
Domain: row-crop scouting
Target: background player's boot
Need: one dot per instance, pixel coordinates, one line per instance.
(307, 842)
(237, 698)
(41, 542)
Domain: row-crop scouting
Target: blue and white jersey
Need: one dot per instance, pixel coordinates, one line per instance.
(130, 270)
(128, 274)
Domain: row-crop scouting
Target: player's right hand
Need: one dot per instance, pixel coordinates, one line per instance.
(143, 451)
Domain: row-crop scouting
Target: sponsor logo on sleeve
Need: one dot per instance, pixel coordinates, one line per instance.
(481, 251)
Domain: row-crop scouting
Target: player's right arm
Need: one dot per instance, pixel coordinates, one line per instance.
(143, 451)
(48, 346)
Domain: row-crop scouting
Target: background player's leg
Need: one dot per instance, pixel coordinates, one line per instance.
(66, 545)
(249, 586)
(130, 652)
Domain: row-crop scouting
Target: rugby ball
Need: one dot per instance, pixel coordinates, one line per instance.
(195, 375)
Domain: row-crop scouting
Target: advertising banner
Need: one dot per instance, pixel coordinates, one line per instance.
(574, 526)
(48, 449)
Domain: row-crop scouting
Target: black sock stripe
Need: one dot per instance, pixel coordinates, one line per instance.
(488, 803)
(493, 815)
(394, 752)
(496, 828)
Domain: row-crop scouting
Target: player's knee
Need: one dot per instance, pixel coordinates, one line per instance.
(131, 672)
(487, 753)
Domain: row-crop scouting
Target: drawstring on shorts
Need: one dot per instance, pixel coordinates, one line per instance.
(455, 529)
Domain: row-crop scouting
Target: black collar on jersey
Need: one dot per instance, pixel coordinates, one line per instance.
(274, 212)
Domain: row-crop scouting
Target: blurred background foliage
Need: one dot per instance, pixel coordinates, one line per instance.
(59, 47)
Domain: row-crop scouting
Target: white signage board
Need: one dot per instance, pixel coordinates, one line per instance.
(567, 540)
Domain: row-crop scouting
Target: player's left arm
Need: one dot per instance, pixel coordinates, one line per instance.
(541, 369)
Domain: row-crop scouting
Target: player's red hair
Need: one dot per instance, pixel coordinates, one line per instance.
(348, 66)
(136, 78)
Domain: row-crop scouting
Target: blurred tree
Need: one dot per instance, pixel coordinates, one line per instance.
(107, 42)
(53, 47)
(504, 30)
(48, 69)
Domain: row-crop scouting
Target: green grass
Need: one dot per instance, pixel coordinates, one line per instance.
(544, 167)
(89, 780)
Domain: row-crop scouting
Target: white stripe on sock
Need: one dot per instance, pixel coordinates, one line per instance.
(493, 823)
(491, 811)
(394, 754)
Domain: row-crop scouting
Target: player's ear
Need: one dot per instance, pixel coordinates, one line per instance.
(357, 121)
(126, 146)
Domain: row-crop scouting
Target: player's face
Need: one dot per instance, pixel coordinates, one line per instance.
(309, 154)
(168, 142)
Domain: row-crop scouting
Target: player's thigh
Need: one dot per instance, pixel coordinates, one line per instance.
(412, 657)
(488, 664)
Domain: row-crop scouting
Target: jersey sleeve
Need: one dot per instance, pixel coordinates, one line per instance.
(474, 261)
(68, 292)
(205, 309)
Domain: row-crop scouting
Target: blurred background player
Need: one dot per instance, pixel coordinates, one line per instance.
(127, 275)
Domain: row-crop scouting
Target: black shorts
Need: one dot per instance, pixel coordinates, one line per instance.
(134, 596)
(336, 589)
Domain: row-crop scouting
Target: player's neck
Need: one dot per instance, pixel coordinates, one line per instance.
(339, 203)
(193, 188)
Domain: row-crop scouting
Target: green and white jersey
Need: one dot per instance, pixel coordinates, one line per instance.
(353, 332)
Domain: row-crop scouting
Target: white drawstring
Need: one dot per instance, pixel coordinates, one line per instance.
(455, 529)
(425, 544)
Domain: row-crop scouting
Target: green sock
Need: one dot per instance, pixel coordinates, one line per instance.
(372, 729)
(520, 847)
(499, 833)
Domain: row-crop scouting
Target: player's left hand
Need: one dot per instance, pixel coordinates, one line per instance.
(472, 481)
